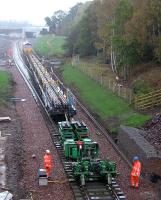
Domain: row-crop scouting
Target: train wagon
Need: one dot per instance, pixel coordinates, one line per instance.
(59, 101)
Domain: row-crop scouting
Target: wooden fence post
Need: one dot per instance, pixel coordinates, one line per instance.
(113, 86)
(119, 90)
(130, 97)
(101, 79)
(109, 84)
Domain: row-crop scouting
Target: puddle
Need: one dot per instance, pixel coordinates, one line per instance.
(3, 175)
(2, 161)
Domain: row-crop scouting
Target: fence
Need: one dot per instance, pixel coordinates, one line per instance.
(148, 100)
(100, 74)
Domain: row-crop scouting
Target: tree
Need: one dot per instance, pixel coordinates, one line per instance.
(119, 57)
(71, 41)
(105, 13)
(61, 22)
(44, 31)
(51, 26)
(88, 32)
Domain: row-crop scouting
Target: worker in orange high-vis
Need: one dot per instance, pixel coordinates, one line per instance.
(48, 165)
(135, 173)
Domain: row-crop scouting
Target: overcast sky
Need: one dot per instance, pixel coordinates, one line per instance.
(33, 10)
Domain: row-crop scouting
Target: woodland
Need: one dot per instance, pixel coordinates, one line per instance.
(123, 33)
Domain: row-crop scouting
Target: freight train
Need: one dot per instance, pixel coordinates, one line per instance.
(59, 101)
(78, 148)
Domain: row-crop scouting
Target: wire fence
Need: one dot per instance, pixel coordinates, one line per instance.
(101, 74)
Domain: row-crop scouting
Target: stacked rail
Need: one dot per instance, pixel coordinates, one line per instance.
(56, 100)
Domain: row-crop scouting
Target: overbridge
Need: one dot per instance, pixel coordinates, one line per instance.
(21, 32)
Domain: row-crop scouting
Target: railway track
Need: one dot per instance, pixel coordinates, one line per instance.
(101, 129)
(93, 189)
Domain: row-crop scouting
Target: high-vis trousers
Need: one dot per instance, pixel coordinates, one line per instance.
(48, 171)
(134, 181)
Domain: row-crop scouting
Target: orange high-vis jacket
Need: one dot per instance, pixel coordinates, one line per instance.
(47, 161)
(136, 169)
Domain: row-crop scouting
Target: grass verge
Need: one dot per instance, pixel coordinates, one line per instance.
(102, 101)
(5, 87)
(49, 45)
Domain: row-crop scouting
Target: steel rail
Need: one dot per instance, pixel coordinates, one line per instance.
(79, 192)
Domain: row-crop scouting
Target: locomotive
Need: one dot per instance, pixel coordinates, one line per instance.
(83, 153)
(27, 47)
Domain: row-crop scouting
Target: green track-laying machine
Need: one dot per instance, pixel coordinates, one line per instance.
(83, 153)
(76, 142)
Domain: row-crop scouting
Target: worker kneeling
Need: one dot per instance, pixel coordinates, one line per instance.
(135, 173)
(48, 163)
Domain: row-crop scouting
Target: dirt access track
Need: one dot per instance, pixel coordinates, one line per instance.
(26, 134)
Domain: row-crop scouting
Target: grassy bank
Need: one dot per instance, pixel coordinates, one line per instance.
(102, 101)
(5, 87)
(49, 45)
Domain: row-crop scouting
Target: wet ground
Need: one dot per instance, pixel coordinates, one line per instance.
(26, 134)
(11, 144)
(13, 150)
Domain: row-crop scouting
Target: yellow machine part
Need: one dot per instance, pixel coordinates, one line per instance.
(28, 50)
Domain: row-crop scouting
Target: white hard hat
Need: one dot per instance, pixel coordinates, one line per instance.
(47, 151)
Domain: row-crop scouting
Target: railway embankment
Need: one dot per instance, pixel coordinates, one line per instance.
(131, 142)
(147, 188)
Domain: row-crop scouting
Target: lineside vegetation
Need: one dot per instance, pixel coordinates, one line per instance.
(102, 101)
(50, 45)
(5, 87)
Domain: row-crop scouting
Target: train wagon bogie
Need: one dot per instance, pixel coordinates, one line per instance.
(91, 169)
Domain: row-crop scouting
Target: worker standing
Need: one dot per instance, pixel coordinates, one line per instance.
(48, 163)
(135, 173)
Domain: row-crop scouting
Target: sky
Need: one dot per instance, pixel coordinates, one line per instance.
(33, 11)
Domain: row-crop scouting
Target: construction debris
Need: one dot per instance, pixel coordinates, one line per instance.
(17, 99)
(6, 195)
(33, 156)
(6, 119)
